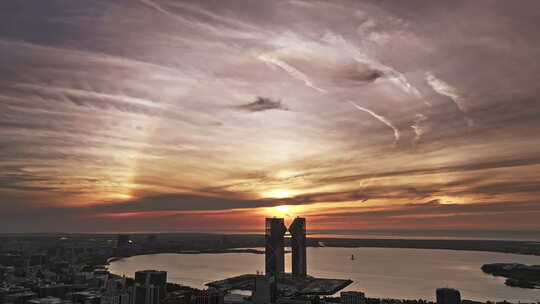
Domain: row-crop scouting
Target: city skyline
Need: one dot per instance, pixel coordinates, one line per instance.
(161, 115)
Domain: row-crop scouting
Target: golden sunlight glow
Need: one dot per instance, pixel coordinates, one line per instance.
(283, 208)
(278, 193)
(280, 211)
(445, 200)
(118, 196)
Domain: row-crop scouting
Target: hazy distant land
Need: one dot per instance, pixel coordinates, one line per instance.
(518, 247)
(145, 243)
(103, 246)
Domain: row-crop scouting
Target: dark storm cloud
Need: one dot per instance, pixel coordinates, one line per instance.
(193, 202)
(181, 202)
(157, 209)
(263, 104)
(152, 212)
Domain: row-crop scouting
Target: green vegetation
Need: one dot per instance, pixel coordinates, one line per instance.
(518, 275)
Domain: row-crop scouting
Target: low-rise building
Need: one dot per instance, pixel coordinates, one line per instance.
(19, 298)
(115, 297)
(87, 296)
(210, 296)
(49, 300)
(353, 297)
(448, 296)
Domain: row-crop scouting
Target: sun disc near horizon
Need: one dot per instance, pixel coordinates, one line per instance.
(283, 208)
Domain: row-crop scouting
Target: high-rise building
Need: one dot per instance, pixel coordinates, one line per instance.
(298, 244)
(275, 247)
(264, 290)
(352, 297)
(150, 287)
(448, 296)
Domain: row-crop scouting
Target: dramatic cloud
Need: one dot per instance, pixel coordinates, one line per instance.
(263, 104)
(166, 115)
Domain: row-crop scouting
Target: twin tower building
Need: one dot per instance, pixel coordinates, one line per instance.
(275, 247)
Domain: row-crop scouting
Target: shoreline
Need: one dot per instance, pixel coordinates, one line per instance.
(495, 246)
(512, 295)
(512, 247)
(369, 300)
(211, 251)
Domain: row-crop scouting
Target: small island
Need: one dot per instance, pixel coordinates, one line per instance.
(517, 275)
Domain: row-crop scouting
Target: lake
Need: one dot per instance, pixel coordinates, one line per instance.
(379, 272)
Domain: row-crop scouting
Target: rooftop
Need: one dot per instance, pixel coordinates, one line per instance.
(287, 284)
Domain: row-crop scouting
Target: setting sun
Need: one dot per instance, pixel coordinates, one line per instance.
(283, 208)
(242, 149)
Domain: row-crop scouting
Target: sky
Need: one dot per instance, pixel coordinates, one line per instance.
(165, 115)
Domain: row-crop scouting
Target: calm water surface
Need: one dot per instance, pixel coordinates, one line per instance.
(379, 272)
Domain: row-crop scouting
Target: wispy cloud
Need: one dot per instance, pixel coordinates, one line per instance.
(380, 118)
(183, 112)
(443, 88)
(391, 74)
(419, 130)
(295, 73)
(199, 25)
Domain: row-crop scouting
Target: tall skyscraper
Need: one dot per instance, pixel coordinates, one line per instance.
(448, 296)
(150, 287)
(275, 247)
(298, 244)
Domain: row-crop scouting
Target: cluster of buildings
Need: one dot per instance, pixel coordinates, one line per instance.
(66, 271)
(77, 275)
(275, 246)
(275, 285)
(86, 287)
(297, 287)
(266, 287)
(147, 287)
